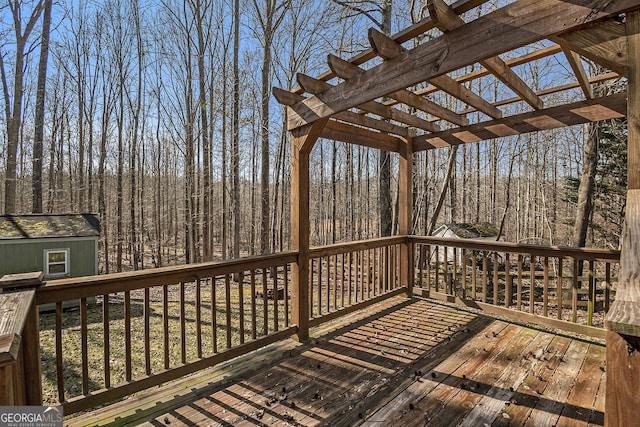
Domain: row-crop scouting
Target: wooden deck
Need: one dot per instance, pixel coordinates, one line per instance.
(413, 363)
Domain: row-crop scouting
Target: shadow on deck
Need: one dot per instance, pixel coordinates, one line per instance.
(413, 362)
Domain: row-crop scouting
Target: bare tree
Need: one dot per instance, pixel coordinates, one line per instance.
(39, 121)
(13, 107)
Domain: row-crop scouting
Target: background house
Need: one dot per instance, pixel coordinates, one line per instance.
(59, 245)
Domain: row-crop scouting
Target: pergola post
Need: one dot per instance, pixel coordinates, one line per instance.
(405, 209)
(302, 141)
(623, 320)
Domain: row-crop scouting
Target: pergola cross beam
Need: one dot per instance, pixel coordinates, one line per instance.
(446, 19)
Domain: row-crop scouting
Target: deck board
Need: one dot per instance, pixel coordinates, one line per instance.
(414, 363)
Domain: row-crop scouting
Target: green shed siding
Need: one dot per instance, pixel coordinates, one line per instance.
(27, 255)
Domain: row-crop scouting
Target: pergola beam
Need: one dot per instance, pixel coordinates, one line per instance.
(609, 107)
(372, 106)
(446, 20)
(389, 50)
(510, 27)
(347, 70)
(578, 69)
(285, 97)
(343, 132)
(605, 44)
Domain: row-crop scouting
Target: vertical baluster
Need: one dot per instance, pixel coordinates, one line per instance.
(445, 268)
(252, 276)
(286, 295)
(474, 274)
(311, 264)
(368, 271)
(276, 299)
(464, 272)
(420, 250)
(335, 282)
(437, 267)
(496, 278)
(508, 282)
(165, 324)
(147, 333)
(241, 305)
(574, 298)
(319, 290)
(607, 289)
(85, 346)
(342, 293)
(198, 319)
(214, 316)
(183, 329)
(454, 274)
(532, 288)
(59, 364)
(428, 261)
(559, 285)
(350, 260)
(361, 270)
(545, 290)
(377, 268)
(519, 297)
(227, 297)
(127, 334)
(105, 340)
(592, 295)
(265, 306)
(328, 285)
(485, 275)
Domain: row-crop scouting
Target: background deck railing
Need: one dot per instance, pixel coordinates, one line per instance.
(348, 276)
(575, 285)
(105, 337)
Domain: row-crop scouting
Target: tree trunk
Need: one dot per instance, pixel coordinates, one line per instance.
(585, 190)
(235, 143)
(39, 118)
(443, 191)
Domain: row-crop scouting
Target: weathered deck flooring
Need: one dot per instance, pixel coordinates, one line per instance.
(415, 363)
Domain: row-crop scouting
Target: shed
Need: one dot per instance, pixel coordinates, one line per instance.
(59, 245)
(465, 230)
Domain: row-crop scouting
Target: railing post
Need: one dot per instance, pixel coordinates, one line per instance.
(20, 368)
(405, 209)
(623, 319)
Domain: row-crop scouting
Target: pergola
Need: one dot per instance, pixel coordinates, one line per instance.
(371, 105)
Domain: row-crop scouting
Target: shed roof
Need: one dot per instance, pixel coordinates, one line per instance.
(37, 226)
(475, 230)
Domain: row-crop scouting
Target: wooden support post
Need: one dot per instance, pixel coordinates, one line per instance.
(302, 141)
(20, 367)
(623, 319)
(405, 207)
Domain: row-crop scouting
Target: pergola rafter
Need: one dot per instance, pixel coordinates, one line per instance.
(604, 32)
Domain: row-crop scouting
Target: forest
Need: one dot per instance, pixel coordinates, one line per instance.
(159, 116)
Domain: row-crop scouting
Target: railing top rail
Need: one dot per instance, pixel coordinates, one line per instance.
(594, 254)
(90, 286)
(340, 248)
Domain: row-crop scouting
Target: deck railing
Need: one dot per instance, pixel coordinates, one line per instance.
(132, 331)
(575, 285)
(111, 336)
(347, 276)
